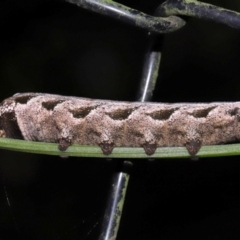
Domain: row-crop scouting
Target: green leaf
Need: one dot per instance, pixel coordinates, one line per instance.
(118, 152)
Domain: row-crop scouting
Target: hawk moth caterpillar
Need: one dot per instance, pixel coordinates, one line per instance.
(109, 124)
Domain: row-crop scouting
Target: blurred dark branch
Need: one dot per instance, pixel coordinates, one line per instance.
(132, 16)
(193, 8)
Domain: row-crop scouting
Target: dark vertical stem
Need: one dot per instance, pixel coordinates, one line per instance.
(116, 198)
(113, 212)
(150, 68)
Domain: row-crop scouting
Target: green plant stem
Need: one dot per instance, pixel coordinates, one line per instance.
(118, 152)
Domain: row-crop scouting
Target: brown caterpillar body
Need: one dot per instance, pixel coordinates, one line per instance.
(109, 124)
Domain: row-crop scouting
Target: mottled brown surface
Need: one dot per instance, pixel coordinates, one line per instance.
(109, 124)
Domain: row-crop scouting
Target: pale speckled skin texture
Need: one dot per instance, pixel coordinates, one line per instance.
(109, 124)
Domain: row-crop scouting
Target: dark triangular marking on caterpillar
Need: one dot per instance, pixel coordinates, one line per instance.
(202, 113)
(235, 112)
(81, 112)
(193, 146)
(121, 114)
(63, 144)
(149, 148)
(9, 126)
(162, 115)
(51, 104)
(24, 98)
(107, 147)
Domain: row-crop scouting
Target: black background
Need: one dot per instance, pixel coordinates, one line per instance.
(55, 47)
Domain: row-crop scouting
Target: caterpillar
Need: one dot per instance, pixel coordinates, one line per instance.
(108, 124)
